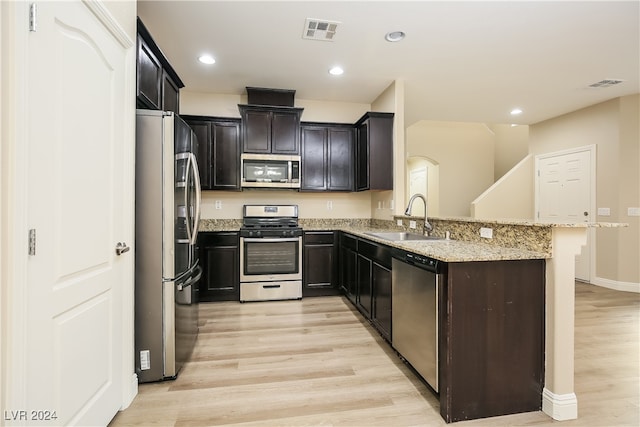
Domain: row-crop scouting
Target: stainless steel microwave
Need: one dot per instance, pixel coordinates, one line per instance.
(270, 171)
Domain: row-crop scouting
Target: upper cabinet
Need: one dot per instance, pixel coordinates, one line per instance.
(327, 157)
(270, 130)
(218, 152)
(158, 85)
(374, 152)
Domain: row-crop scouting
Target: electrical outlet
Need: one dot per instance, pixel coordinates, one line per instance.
(218, 204)
(399, 222)
(633, 211)
(412, 224)
(329, 205)
(604, 211)
(145, 360)
(487, 233)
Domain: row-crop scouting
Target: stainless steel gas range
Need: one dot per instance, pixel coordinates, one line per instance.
(270, 253)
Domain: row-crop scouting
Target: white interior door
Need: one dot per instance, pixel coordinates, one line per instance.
(565, 189)
(77, 205)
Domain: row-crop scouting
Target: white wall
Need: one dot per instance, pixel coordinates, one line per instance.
(465, 155)
(613, 127)
(511, 146)
(384, 204)
(511, 197)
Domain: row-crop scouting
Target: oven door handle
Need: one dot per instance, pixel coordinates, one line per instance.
(272, 240)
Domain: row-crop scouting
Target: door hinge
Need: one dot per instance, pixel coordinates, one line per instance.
(33, 11)
(32, 241)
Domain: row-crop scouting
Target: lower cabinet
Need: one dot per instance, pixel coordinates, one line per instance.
(348, 261)
(381, 310)
(319, 269)
(219, 254)
(491, 339)
(365, 279)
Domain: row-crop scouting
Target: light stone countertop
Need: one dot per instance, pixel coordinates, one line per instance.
(512, 239)
(449, 250)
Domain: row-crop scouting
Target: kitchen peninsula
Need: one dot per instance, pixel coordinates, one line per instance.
(547, 250)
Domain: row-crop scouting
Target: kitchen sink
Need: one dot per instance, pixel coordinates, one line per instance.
(403, 235)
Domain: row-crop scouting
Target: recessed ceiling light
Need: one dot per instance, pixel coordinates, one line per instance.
(207, 59)
(516, 111)
(336, 71)
(394, 36)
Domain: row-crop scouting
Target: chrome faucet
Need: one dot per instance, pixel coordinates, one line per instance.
(427, 227)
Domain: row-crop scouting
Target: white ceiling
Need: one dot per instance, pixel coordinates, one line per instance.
(468, 61)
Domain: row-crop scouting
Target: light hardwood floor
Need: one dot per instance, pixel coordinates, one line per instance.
(316, 362)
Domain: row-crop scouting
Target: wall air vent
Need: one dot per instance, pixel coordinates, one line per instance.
(606, 83)
(320, 29)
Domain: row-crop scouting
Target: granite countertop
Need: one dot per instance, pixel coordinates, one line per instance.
(512, 239)
(444, 250)
(449, 250)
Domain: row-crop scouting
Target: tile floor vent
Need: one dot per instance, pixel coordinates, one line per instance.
(320, 29)
(606, 83)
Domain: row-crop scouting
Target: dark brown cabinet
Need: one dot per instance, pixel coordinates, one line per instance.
(218, 151)
(270, 130)
(381, 289)
(491, 339)
(220, 260)
(348, 261)
(170, 93)
(364, 294)
(157, 84)
(149, 77)
(365, 278)
(327, 153)
(374, 152)
(319, 264)
(374, 284)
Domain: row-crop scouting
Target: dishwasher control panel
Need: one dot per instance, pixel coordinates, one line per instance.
(421, 261)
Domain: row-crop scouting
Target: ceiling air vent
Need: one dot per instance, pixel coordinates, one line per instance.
(606, 83)
(320, 29)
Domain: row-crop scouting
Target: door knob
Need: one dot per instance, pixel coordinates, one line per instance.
(121, 248)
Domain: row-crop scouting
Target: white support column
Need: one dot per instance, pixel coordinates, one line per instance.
(558, 399)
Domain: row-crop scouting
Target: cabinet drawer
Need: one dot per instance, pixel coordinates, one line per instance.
(318, 237)
(379, 253)
(348, 241)
(221, 238)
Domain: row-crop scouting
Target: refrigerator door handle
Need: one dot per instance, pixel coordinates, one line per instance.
(187, 207)
(196, 179)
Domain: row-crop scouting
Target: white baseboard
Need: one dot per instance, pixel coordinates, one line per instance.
(617, 285)
(560, 407)
(130, 392)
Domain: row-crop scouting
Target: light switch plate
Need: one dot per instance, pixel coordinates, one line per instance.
(604, 211)
(633, 211)
(399, 222)
(412, 224)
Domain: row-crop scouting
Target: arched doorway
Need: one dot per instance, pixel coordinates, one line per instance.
(423, 177)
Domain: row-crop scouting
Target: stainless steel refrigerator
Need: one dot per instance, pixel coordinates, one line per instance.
(167, 270)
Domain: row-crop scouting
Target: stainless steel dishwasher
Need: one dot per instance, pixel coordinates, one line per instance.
(414, 302)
